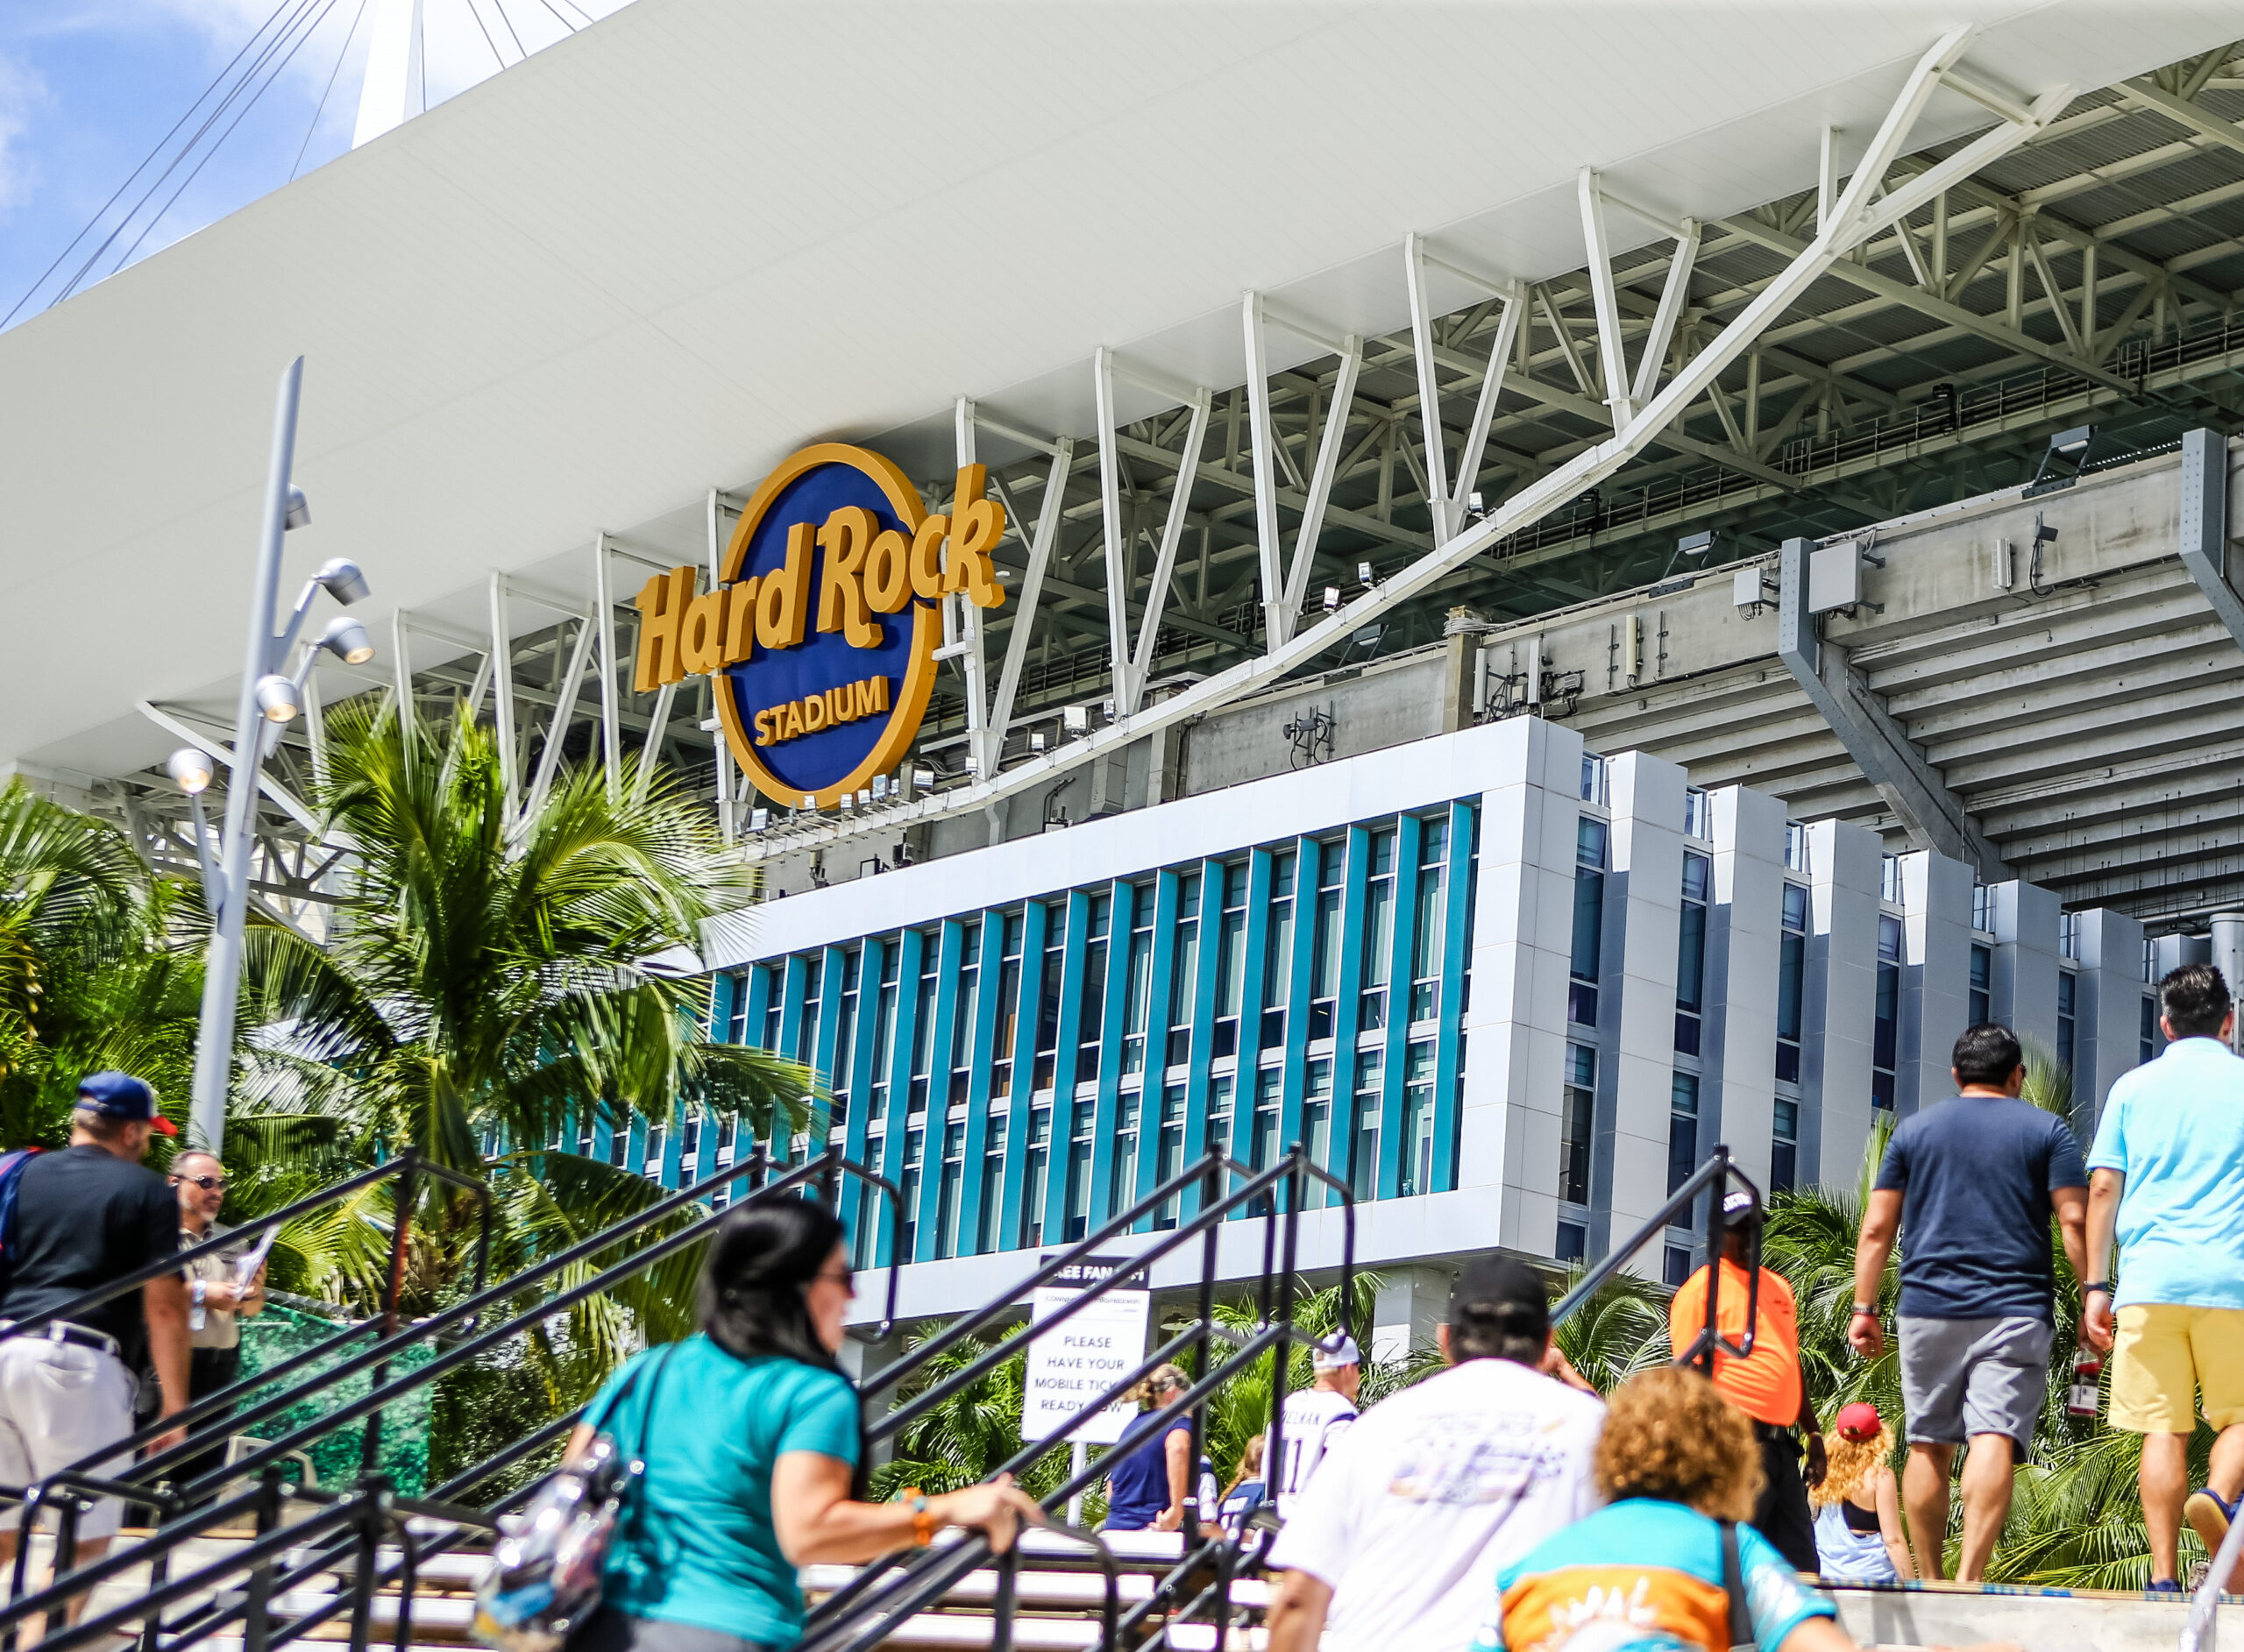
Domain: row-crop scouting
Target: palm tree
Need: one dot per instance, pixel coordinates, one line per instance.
(97, 965)
(491, 980)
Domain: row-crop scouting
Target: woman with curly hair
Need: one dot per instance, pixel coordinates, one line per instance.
(1858, 1536)
(1667, 1564)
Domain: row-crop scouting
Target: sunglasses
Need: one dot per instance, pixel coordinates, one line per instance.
(844, 1276)
(205, 1182)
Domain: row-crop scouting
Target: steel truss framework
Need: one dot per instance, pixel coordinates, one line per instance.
(1825, 360)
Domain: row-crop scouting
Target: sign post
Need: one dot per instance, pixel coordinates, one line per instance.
(1075, 1363)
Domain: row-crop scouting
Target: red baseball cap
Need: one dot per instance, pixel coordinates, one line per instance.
(1858, 1421)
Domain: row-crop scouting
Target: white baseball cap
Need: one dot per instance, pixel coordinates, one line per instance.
(1332, 1352)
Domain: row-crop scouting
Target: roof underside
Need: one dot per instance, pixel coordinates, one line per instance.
(652, 260)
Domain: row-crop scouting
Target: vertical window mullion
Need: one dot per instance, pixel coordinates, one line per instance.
(1458, 896)
(971, 1223)
(1400, 945)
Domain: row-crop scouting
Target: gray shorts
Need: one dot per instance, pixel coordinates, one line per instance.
(1964, 1377)
(60, 1403)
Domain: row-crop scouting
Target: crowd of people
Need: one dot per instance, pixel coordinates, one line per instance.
(1499, 1504)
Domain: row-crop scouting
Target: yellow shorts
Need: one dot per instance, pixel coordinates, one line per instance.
(2163, 1354)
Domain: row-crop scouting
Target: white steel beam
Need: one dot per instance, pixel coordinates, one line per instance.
(1031, 584)
(1672, 297)
(611, 733)
(1855, 216)
(1261, 442)
(502, 677)
(1127, 695)
(1421, 346)
(1109, 495)
(1611, 357)
(1328, 456)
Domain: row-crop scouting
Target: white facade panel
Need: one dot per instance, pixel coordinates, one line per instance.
(1737, 1101)
(1642, 908)
(1845, 864)
(1936, 976)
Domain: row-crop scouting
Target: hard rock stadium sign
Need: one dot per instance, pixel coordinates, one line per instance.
(821, 634)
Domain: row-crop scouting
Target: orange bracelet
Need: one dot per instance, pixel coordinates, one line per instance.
(923, 1517)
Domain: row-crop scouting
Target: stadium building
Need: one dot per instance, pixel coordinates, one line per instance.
(1243, 589)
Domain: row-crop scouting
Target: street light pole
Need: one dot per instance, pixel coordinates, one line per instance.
(214, 1047)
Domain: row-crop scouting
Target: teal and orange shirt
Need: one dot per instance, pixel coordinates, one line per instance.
(1642, 1575)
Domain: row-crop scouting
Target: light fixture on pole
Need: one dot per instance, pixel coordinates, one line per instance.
(269, 700)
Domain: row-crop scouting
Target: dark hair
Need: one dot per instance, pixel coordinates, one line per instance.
(1987, 1053)
(2195, 999)
(751, 1296)
(1499, 1308)
(765, 1255)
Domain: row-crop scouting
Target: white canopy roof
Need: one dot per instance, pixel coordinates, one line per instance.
(664, 253)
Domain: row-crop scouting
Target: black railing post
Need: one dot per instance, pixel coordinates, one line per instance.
(1001, 1622)
(1716, 1189)
(1211, 1196)
(373, 1508)
(408, 1566)
(401, 1237)
(256, 1609)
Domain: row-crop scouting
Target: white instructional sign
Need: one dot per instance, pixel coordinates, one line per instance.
(1073, 1363)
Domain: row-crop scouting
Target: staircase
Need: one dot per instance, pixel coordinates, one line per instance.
(244, 1560)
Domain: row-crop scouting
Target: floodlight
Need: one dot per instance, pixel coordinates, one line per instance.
(923, 779)
(849, 803)
(1075, 718)
(1036, 740)
(810, 802)
(864, 797)
(973, 765)
(2072, 443)
(299, 511)
(190, 768)
(1331, 599)
(1698, 545)
(1363, 572)
(343, 581)
(880, 788)
(347, 640)
(758, 819)
(278, 698)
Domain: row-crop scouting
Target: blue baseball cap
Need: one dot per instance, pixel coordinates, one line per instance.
(121, 1096)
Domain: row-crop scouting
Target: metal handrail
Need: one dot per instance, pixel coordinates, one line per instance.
(2202, 1630)
(899, 1585)
(1718, 1170)
(370, 1502)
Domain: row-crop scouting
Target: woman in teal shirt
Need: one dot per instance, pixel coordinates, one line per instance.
(753, 1452)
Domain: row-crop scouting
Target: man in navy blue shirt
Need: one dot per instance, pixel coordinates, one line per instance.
(1969, 1185)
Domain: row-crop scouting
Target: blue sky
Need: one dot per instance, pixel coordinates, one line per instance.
(88, 88)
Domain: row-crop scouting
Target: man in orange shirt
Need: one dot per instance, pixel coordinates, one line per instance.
(1769, 1385)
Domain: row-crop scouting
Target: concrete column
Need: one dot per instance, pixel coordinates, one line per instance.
(2025, 918)
(2228, 949)
(2107, 1037)
(1744, 928)
(1644, 903)
(1508, 1127)
(1411, 1302)
(1844, 865)
(1936, 976)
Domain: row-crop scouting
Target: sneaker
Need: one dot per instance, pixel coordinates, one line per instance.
(2209, 1515)
(2164, 1587)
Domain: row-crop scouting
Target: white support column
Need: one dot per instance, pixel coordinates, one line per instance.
(1484, 410)
(1411, 1302)
(396, 86)
(1277, 623)
(1172, 536)
(1031, 584)
(502, 679)
(1507, 1125)
(1110, 494)
(985, 745)
(1643, 908)
(1421, 346)
(401, 659)
(611, 733)
(2025, 979)
(1672, 297)
(727, 788)
(565, 711)
(1612, 359)
(1936, 976)
(1744, 932)
(1844, 865)
(2107, 1036)
(1320, 482)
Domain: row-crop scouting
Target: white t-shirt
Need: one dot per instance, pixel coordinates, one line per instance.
(1430, 1493)
(1315, 1418)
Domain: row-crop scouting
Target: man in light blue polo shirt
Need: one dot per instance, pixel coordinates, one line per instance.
(2167, 1173)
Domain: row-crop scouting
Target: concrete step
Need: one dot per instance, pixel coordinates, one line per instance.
(2039, 1621)
(1043, 1590)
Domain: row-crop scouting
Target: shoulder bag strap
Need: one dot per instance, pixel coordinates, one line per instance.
(1733, 1583)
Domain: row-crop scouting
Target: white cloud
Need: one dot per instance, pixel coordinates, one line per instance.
(20, 92)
